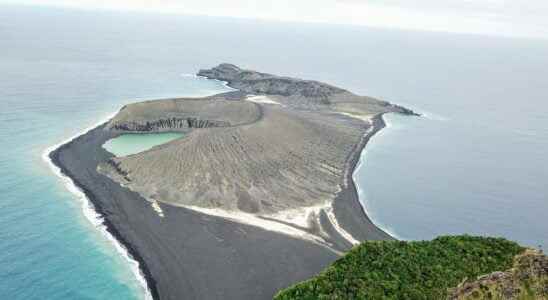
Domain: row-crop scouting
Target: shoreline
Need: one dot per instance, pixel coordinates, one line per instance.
(351, 190)
(379, 125)
(93, 213)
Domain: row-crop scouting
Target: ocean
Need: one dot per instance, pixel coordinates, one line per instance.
(474, 163)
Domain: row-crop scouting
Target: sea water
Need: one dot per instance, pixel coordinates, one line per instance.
(474, 163)
(132, 143)
(56, 80)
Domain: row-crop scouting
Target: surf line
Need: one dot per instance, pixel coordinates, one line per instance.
(89, 211)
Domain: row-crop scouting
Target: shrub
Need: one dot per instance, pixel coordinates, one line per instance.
(406, 270)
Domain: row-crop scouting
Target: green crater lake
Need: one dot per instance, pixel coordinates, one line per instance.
(131, 143)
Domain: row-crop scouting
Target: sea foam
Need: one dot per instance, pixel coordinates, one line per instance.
(224, 83)
(360, 191)
(89, 211)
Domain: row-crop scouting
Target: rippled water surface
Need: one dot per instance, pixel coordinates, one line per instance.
(475, 163)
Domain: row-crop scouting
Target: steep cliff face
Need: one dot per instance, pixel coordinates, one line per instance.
(528, 279)
(168, 124)
(183, 114)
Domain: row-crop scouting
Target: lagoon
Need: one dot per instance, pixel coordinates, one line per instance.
(132, 143)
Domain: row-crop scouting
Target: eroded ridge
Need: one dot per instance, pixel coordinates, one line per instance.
(183, 114)
(281, 158)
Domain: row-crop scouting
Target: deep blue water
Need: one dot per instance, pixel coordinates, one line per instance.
(475, 164)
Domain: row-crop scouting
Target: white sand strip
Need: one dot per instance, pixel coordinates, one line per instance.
(262, 100)
(345, 234)
(157, 208)
(254, 220)
(299, 217)
(365, 118)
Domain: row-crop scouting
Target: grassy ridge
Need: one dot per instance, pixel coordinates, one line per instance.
(406, 270)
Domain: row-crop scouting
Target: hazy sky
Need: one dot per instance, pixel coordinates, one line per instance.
(500, 17)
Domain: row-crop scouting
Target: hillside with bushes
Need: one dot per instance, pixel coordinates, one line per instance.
(408, 270)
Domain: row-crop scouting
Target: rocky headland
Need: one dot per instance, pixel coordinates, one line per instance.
(257, 195)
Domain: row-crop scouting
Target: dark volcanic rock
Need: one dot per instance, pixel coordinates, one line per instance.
(261, 83)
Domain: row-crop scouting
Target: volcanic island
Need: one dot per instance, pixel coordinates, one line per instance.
(256, 196)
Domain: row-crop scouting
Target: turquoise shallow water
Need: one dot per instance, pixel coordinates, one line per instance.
(127, 144)
(58, 79)
(475, 164)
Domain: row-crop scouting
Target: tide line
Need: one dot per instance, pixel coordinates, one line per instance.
(360, 191)
(89, 211)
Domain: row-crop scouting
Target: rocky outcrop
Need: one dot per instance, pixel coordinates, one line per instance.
(299, 93)
(168, 124)
(261, 83)
(528, 279)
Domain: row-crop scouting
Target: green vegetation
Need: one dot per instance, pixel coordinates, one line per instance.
(406, 270)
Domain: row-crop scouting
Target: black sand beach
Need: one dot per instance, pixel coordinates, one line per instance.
(347, 207)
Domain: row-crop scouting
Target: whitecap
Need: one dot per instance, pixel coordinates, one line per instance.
(224, 83)
(189, 75)
(89, 211)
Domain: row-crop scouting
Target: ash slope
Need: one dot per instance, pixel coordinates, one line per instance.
(284, 159)
(187, 254)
